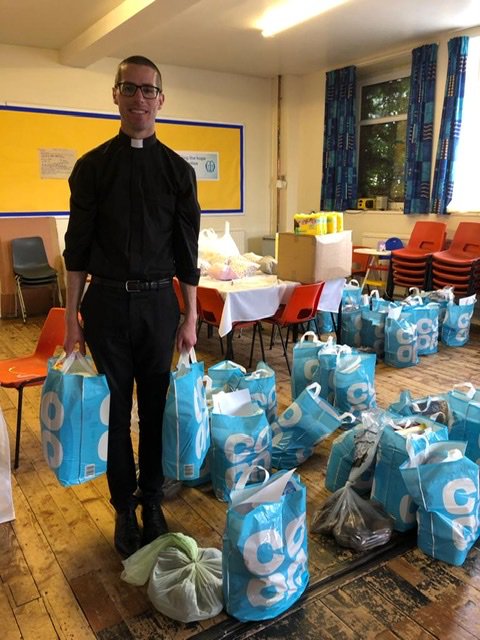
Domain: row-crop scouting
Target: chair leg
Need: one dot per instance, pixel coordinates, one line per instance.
(21, 300)
(260, 336)
(252, 345)
(272, 335)
(262, 348)
(229, 354)
(288, 335)
(19, 428)
(389, 289)
(427, 279)
(284, 350)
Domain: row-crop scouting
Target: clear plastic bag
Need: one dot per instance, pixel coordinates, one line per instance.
(354, 522)
(185, 582)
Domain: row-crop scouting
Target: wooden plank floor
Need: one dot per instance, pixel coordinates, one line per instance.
(60, 575)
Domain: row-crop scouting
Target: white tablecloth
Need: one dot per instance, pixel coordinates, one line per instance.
(259, 296)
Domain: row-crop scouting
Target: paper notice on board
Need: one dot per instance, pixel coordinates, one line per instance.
(56, 163)
(205, 163)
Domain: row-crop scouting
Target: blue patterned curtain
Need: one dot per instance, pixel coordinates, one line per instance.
(418, 153)
(451, 123)
(339, 182)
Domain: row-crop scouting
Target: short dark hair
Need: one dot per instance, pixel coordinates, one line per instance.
(140, 60)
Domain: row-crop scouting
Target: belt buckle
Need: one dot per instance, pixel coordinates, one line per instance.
(132, 286)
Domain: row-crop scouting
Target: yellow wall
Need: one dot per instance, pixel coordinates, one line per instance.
(34, 77)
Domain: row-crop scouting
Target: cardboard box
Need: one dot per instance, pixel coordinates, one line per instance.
(308, 259)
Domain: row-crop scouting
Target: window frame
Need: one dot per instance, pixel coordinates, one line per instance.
(367, 79)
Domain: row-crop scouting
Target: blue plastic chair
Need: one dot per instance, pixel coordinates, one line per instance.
(393, 243)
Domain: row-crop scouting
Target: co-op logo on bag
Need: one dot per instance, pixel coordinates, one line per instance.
(459, 501)
(427, 334)
(407, 345)
(268, 401)
(264, 553)
(244, 451)
(463, 326)
(52, 415)
(201, 416)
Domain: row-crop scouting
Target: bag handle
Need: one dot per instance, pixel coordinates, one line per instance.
(207, 383)
(314, 389)
(259, 373)
(467, 385)
(416, 459)
(245, 476)
(347, 418)
(329, 346)
(64, 363)
(234, 365)
(186, 358)
(310, 334)
(414, 291)
(414, 300)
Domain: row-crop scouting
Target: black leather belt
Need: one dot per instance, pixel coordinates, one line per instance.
(133, 286)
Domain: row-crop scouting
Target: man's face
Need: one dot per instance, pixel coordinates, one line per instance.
(137, 113)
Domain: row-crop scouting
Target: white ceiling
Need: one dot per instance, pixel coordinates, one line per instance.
(220, 35)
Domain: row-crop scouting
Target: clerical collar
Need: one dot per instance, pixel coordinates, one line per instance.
(137, 143)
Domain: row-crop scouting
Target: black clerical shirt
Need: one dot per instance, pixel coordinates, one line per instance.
(133, 213)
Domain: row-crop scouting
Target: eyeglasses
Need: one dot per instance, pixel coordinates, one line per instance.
(129, 89)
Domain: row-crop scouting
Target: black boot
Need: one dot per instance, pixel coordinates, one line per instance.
(127, 532)
(154, 523)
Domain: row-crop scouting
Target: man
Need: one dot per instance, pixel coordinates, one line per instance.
(134, 224)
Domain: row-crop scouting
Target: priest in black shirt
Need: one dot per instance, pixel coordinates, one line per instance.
(134, 224)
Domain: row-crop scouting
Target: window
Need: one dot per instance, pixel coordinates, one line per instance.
(383, 130)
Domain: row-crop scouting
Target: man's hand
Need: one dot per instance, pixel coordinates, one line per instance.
(73, 336)
(186, 336)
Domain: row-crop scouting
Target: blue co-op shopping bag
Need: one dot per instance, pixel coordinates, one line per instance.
(441, 297)
(74, 413)
(240, 442)
(464, 404)
(353, 453)
(351, 318)
(456, 323)
(388, 486)
(265, 563)
(354, 382)
(401, 339)
(445, 486)
(186, 429)
(327, 362)
(304, 361)
(425, 316)
(374, 313)
(305, 423)
(225, 375)
(261, 384)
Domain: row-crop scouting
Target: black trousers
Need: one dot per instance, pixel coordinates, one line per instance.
(131, 337)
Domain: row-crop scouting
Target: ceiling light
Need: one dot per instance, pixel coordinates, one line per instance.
(289, 13)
